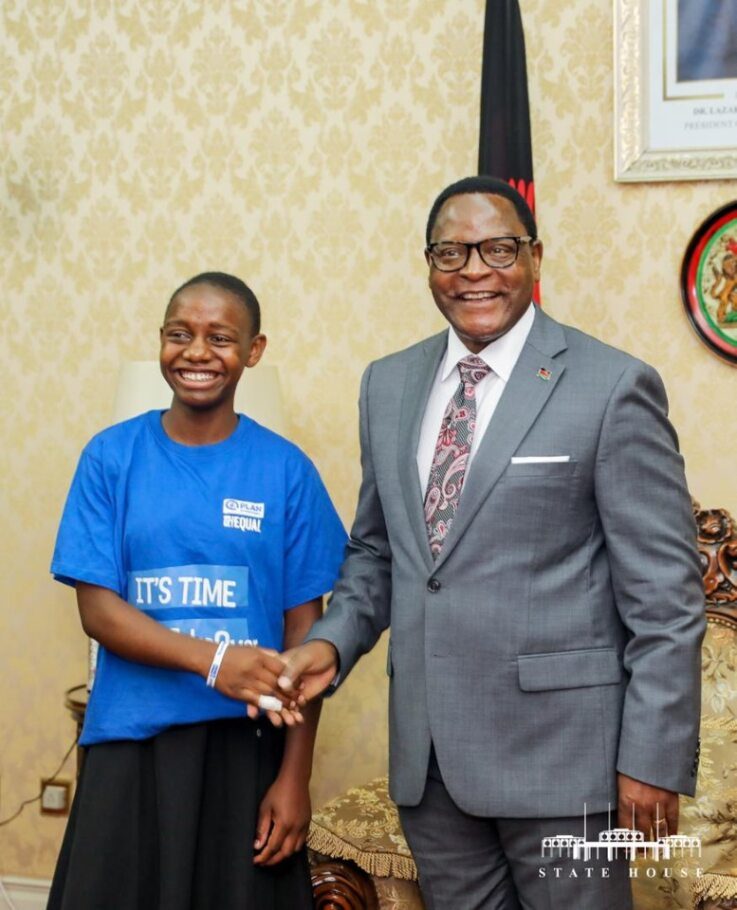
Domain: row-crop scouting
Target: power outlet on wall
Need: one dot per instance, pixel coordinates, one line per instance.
(55, 796)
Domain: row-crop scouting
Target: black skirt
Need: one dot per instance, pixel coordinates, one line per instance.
(168, 823)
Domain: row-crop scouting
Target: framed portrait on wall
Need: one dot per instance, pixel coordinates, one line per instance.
(675, 89)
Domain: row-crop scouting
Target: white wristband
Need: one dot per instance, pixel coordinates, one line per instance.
(212, 674)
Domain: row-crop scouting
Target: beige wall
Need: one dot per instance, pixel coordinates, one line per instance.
(298, 144)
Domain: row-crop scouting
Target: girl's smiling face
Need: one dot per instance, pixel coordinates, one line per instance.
(206, 342)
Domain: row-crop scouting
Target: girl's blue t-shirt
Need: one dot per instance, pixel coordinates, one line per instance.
(213, 541)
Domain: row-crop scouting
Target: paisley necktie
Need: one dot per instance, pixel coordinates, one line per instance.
(449, 462)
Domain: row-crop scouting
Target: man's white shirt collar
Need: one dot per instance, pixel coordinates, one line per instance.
(501, 354)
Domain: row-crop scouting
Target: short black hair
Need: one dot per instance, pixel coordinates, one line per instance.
(483, 184)
(229, 283)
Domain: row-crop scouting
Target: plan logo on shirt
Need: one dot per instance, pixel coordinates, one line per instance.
(243, 515)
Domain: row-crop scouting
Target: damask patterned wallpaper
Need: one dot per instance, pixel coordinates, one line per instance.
(298, 143)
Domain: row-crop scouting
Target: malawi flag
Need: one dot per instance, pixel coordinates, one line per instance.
(505, 145)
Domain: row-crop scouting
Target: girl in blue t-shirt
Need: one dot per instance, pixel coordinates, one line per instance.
(200, 545)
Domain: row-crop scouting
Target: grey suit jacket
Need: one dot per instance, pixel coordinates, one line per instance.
(556, 639)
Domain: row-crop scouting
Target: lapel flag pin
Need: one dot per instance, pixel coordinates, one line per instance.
(542, 373)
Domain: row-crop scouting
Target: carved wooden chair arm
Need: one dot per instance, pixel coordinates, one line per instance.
(339, 885)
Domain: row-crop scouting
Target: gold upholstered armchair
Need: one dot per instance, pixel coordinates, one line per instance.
(360, 859)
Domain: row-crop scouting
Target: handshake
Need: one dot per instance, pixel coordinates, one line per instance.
(279, 684)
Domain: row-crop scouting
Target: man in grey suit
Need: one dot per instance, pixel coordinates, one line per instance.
(546, 624)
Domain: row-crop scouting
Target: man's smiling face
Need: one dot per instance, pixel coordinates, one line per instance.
(480, 302)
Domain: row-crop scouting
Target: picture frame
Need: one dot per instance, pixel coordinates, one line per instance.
(709, 282)
(675, 90)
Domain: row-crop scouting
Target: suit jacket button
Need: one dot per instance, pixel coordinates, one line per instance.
(433, 586)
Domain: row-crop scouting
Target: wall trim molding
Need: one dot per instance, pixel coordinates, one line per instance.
(25, 893)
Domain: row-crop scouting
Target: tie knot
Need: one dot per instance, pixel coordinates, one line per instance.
(473, 369)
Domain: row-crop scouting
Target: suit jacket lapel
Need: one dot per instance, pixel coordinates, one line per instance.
(531, 384)
(418, 382)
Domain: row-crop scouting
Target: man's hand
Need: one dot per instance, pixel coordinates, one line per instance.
(656, 810)
(248, 672)
(309, 670)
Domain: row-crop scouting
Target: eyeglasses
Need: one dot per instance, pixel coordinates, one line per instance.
(496, 252)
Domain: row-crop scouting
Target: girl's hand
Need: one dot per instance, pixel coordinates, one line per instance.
(247, 672)
(283, 821)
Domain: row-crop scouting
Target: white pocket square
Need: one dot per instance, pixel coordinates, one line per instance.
(538, 459)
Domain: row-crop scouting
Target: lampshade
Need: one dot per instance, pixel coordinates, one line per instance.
(141, 387)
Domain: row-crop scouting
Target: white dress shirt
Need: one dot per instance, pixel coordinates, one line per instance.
(501, 355)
